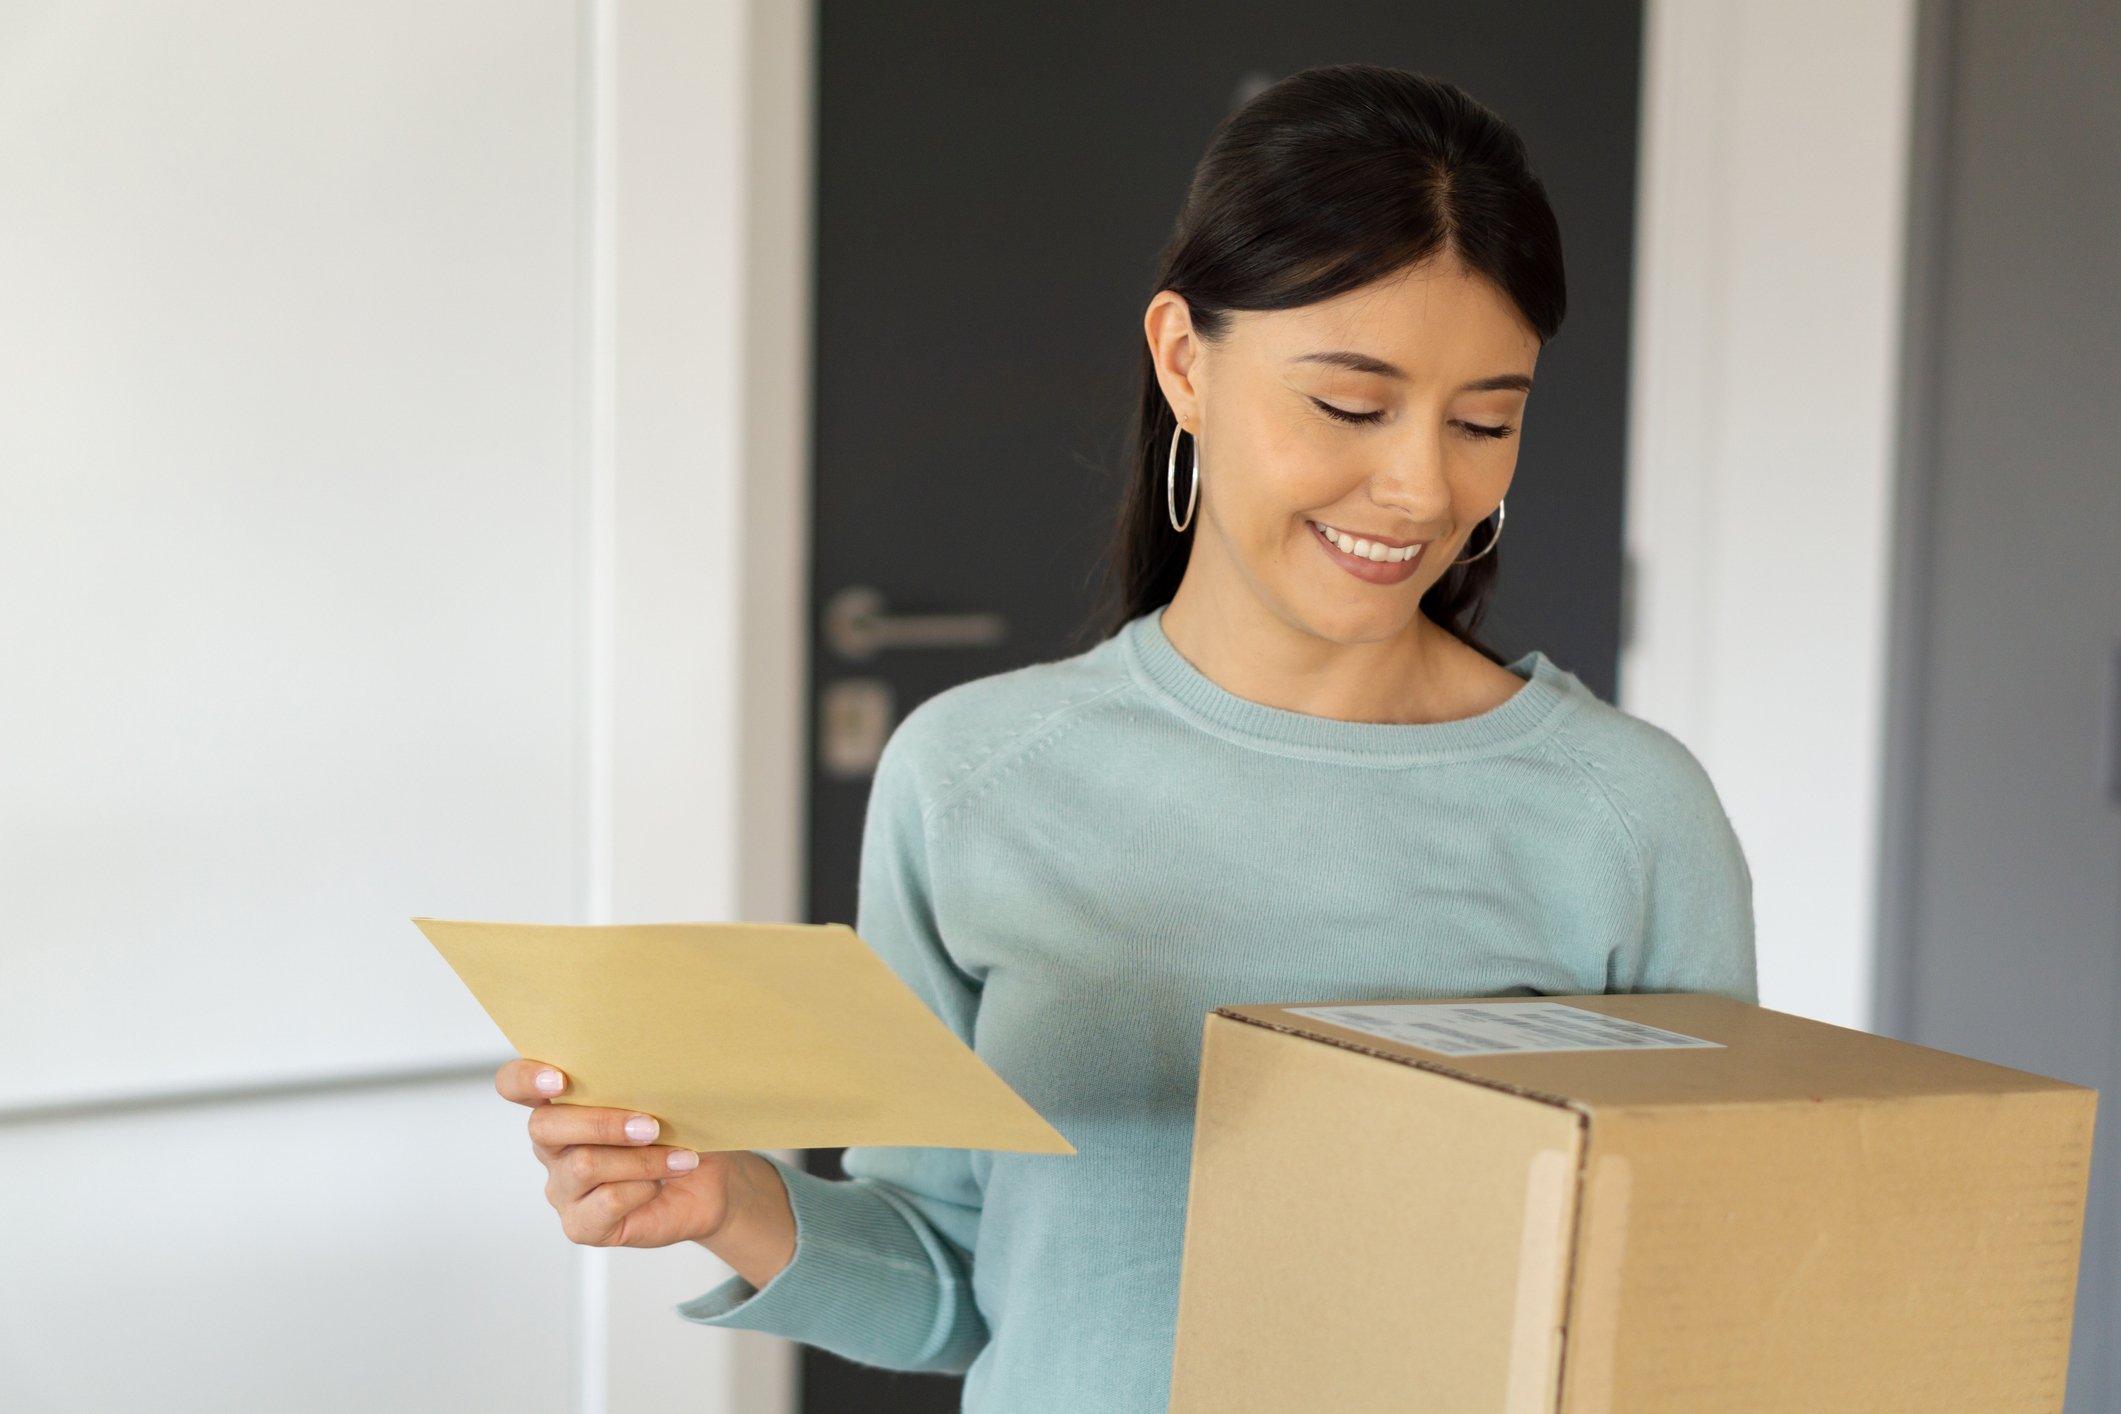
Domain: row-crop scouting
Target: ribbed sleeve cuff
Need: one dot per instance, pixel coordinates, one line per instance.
(867, 1282)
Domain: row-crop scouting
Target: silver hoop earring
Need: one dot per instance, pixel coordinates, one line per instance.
(1491, 539)
(1171, 481)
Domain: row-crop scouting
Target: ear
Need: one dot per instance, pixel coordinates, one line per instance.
(1180, 371)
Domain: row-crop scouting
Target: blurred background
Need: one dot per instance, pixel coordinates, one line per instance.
(517, 459)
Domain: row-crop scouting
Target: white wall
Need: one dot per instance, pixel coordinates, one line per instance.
(400, 513)
(1774, 187)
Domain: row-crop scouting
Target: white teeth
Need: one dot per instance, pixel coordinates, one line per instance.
(1383, 554)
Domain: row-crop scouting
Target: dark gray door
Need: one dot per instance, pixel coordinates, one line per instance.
(2003, 923)
(994, 183)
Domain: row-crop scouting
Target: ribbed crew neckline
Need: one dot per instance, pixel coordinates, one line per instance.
(1157, 665)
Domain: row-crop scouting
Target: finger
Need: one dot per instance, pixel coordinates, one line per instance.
(599, 1217)
(585, 1168)
(518, 1080)
(555, 1127)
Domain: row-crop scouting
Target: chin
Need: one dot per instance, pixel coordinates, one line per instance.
(1352, 621)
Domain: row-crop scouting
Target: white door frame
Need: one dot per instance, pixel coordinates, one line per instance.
(695, 148)
(1763, 437)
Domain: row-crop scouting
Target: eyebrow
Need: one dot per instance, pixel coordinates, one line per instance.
(1364, 363)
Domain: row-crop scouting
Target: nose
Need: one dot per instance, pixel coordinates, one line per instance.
(1413, 482)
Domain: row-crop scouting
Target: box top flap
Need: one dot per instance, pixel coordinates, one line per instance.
(1661, 1049)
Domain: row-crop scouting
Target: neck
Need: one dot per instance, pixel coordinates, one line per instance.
(1249, 649)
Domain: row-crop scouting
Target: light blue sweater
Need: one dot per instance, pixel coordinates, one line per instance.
(1074, 862)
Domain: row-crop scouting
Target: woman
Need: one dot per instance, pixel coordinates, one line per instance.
(1290, 772)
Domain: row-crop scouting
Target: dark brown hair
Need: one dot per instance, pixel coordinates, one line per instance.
(1334, 177)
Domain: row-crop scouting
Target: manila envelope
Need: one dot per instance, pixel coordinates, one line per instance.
(739, 1035)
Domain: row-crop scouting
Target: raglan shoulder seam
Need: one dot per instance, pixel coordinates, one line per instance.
(986, 756)
(1609, 791)
(954, 738)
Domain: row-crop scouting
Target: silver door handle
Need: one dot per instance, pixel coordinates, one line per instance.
(857, 627)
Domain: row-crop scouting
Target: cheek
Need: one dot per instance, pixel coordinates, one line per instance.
(1483, 483)
(1272, 489)
(1306, 478)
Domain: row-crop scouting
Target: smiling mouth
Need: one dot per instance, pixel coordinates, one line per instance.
(1376, 551)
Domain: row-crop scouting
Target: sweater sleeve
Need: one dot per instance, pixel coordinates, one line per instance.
(1697, 889)
(883, 1259)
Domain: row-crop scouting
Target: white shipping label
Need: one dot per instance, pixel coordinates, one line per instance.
(1496, 1028)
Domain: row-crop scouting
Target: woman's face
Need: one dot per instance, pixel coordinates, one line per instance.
(1388, 413)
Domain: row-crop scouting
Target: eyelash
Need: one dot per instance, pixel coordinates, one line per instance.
(1477, 430)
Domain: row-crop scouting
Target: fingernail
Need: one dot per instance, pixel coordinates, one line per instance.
(684, 1160)
(548, 1080)
(641, 1129)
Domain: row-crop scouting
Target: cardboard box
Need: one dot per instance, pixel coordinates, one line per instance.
(1698, 1207)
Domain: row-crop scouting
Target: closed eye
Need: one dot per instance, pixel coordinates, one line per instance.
(1476, 430)
(1344, 415)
